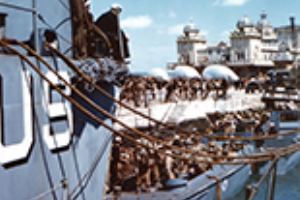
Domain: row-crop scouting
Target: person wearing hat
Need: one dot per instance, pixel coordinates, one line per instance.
(109, 24)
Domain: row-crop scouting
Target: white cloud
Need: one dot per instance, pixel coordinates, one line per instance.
(230, 2)
(176, 29)
(137, 22)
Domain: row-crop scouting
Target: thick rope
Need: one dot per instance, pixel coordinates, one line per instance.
(243, 159)
(107, 114)
(81, 108)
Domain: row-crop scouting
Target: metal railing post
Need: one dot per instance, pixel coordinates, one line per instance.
(272, 183)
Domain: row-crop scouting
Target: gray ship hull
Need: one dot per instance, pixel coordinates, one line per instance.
(203, 187)
(40, 151)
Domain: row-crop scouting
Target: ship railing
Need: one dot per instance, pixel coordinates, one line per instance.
(269, 177)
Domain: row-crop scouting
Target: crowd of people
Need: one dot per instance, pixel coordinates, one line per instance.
(139, 169)
(256, 122)
(142, 91)
(240, 121)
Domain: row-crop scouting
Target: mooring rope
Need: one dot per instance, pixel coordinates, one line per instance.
(85, 111)
(150, 138)
(243, 159)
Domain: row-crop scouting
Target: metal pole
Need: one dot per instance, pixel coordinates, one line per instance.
(218, 182)
(249, 192)
(34, 26)
(219, 190)
(272, 183)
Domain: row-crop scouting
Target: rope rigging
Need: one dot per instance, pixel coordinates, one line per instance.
(130, 138)
(153, 142)
(141, 134)
(76, 104)
(266, 156)
(98, 31)
(148, 137)
(258, 157)
(210, 136)
(102, 91)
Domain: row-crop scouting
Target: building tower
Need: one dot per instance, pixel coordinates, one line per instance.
(189, 44)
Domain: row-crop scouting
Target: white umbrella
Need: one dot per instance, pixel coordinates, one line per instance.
(159, 73)
(184, 71)
(219, 72)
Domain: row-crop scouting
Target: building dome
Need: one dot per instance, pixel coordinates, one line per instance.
(263, 21)
(244, 22)
(190, 28)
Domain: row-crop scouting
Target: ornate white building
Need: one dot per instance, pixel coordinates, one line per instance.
(288, 41)
(191, 46)
(255, 47)
(218, 54)
(260, 47)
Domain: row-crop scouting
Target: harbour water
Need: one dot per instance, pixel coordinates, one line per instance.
(287, 187)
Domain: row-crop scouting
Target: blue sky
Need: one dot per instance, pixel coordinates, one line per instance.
(153, 25)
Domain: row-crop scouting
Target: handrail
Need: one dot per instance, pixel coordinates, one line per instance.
(253, 189)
